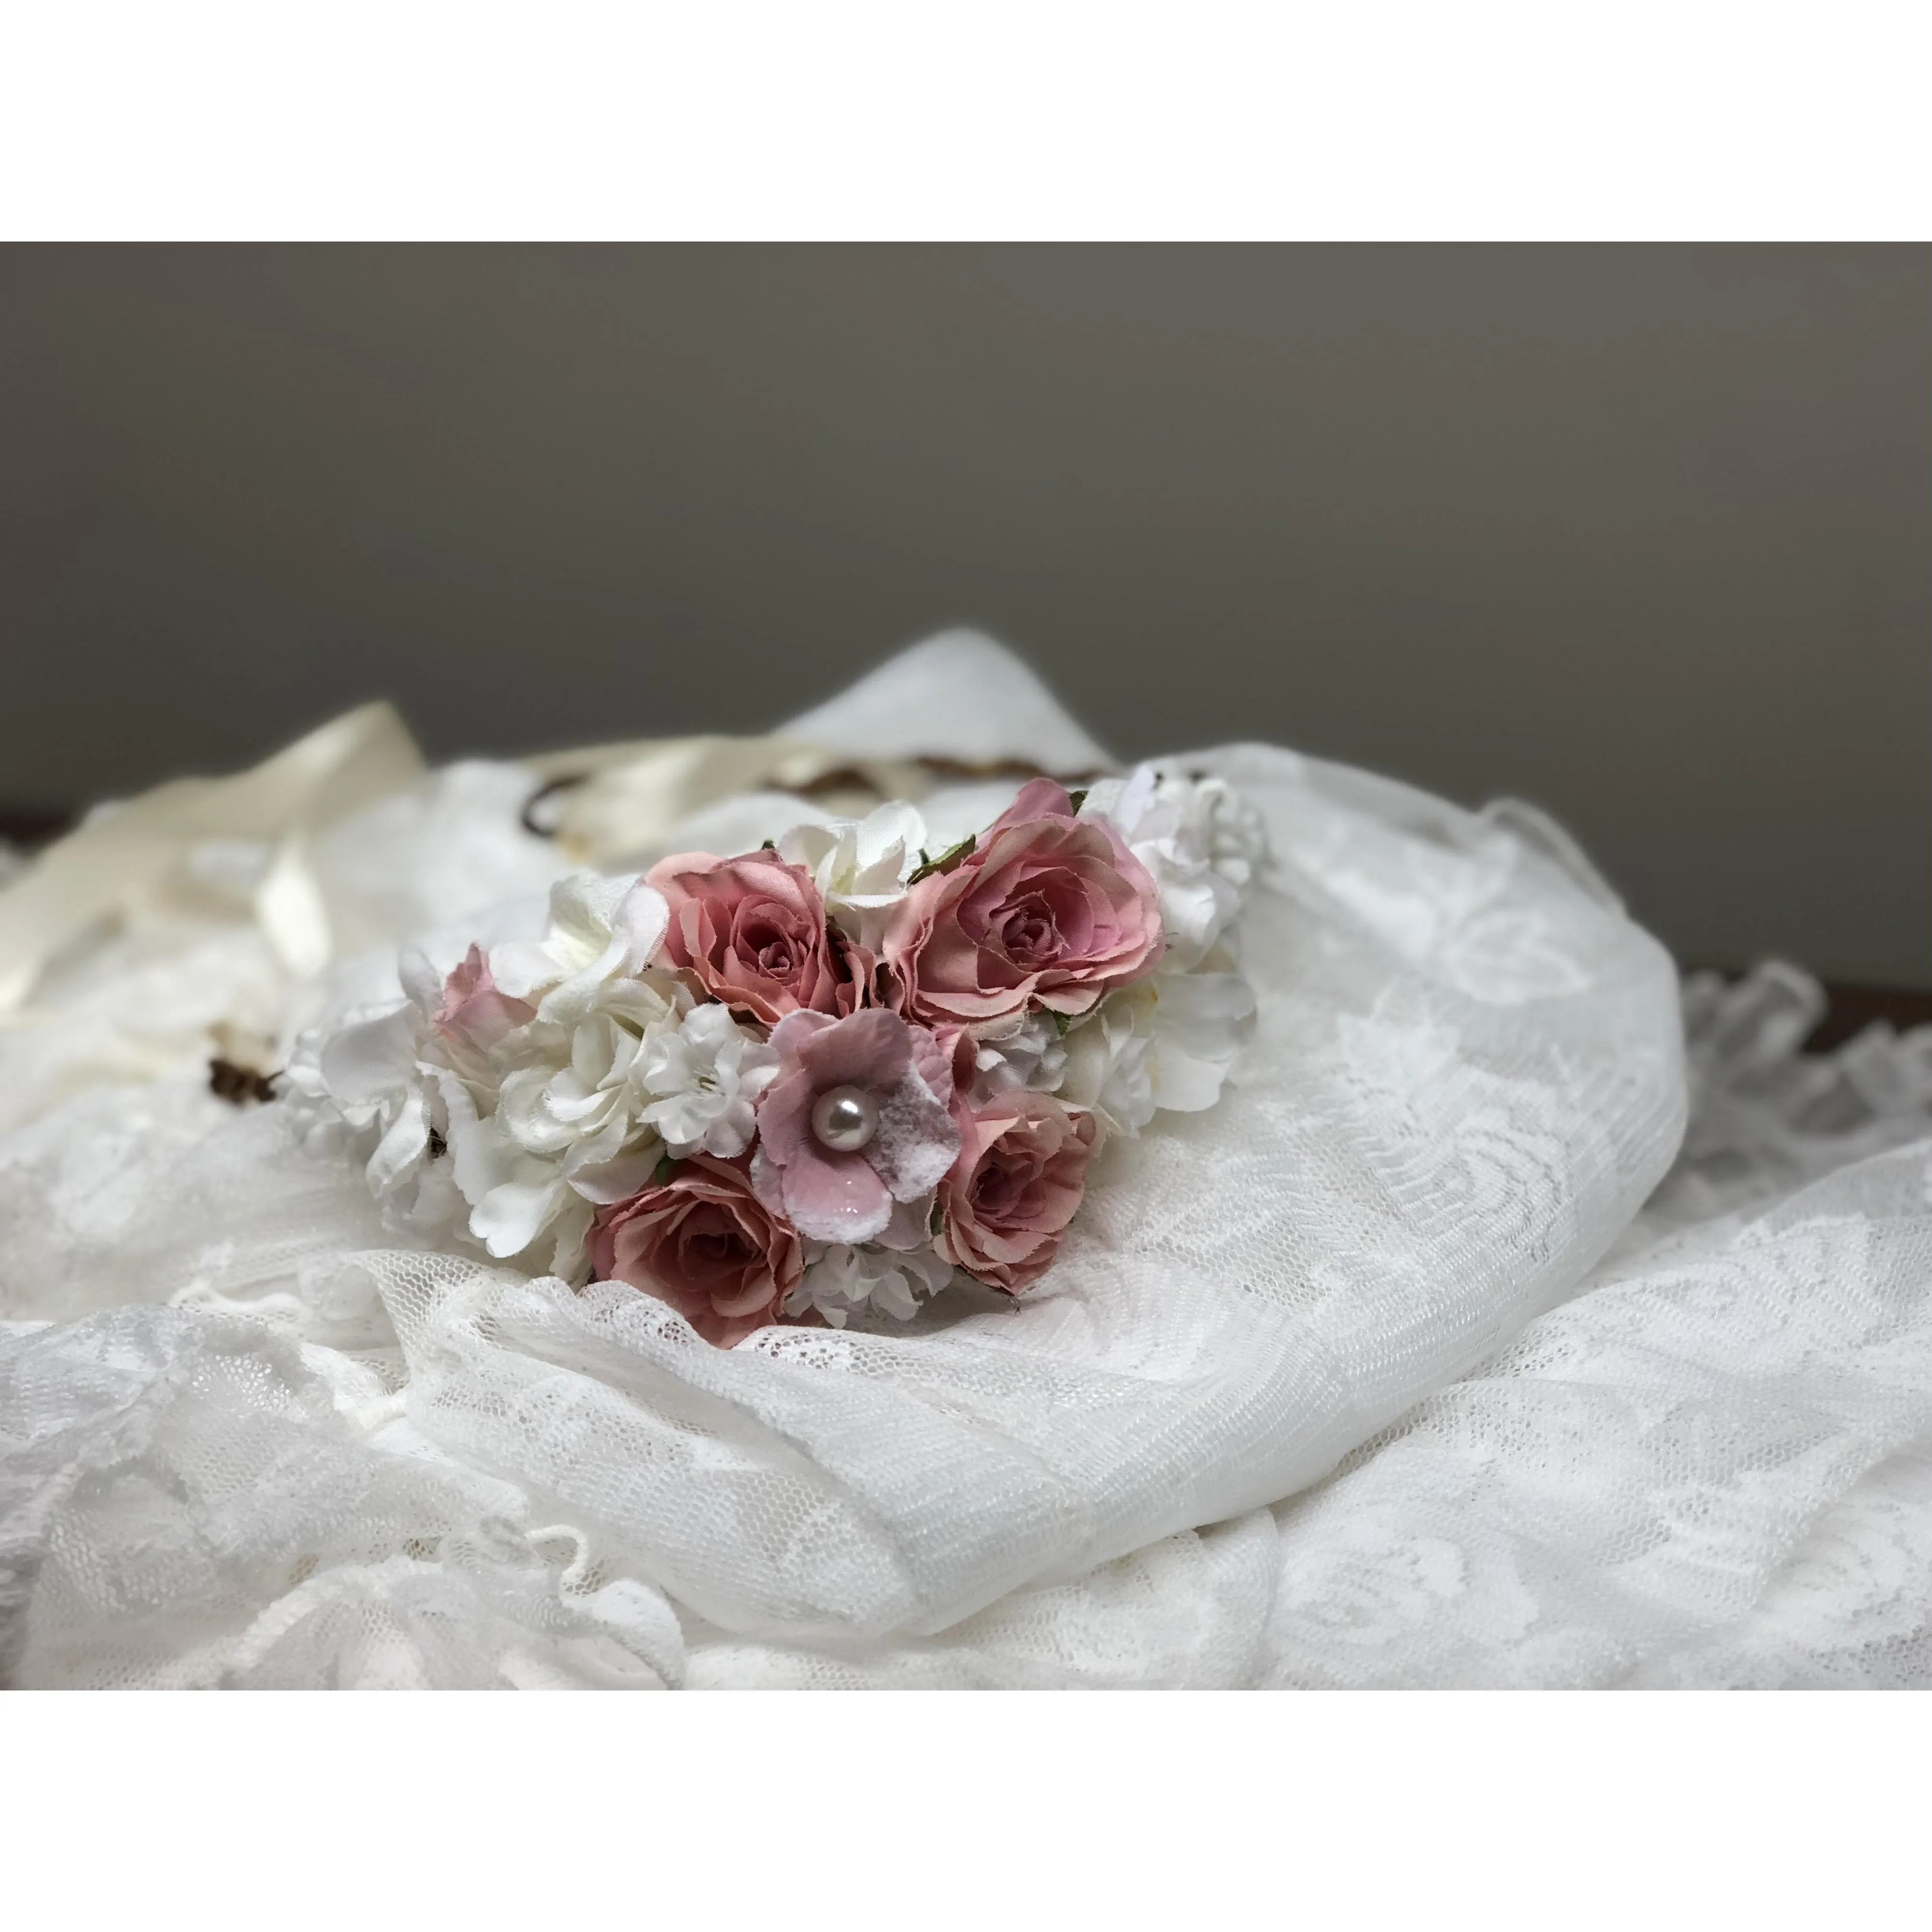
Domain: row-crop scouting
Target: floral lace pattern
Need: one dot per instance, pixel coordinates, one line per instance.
(1414, 1361)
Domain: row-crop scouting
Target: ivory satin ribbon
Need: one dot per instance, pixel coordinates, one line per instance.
(130, 864)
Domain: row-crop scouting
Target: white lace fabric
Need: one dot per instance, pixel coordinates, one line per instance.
(1381, 1373)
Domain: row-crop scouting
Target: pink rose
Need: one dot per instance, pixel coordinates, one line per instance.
(753, 930)
(474, 1014)
(857, 1122)
(1021, 1170)
(701, 1240)
(1048, 909)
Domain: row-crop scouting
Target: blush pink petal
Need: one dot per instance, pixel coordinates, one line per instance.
(473, 1011)
(795, 1029)
(784, 1117)
(752, 931)
(702, 1241)
(1017, 1184)
(827, 1196)
(917, 1141)
(935, 1057)
(833, 1196)
(1049, 910)
(1038, 798)
(872, 1049)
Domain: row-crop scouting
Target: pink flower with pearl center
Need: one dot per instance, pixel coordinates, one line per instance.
(858, 1124)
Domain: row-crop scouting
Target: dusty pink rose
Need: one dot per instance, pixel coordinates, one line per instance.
(753, 930)
(703, 1241)
(1049, 909)
(838, 1176)
(474, 1013)
(1021, 1170)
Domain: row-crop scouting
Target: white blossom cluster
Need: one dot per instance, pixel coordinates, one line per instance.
(511, 1130)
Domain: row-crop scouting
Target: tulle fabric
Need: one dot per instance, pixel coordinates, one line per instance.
(1415, 1361)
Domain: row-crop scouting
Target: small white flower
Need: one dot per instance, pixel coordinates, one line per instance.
(860, 865)
(1033, 1054)
(842, 1282)
(572, 1095)
(363, 1093)
(541, 1121)
(521, 1202)
(603, 933)
(1200, 841)
(1107, 1066)
(556, 1128)
(1235, 833)
(704, 1077)
(1167, 1043)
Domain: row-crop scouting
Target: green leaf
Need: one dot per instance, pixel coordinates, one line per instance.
(1062, 1024)
(1077, 799)
(663, 1171)
(766, 845)
(945, 862)
(938, 1219)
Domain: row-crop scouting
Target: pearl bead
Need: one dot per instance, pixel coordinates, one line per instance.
(845, 1119)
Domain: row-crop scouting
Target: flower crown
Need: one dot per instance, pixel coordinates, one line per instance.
(811, 1082)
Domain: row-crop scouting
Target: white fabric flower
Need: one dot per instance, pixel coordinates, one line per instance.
(572, 1089)
(603, 933)
(551, 1129)
(1234, 831)
(521, 1202)
(514, 1199)
(567, 1133)
(860, 865)
(351, 1088)
(1165, 1043)
(539, 1116)
(363, 1092)
(1034, 1055)
(704, 1079)
(1200, 843)
(842, 1281)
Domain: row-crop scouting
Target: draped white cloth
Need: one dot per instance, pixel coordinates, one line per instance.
(1426, 1358)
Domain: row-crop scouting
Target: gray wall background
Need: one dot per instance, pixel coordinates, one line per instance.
(1642, 533)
